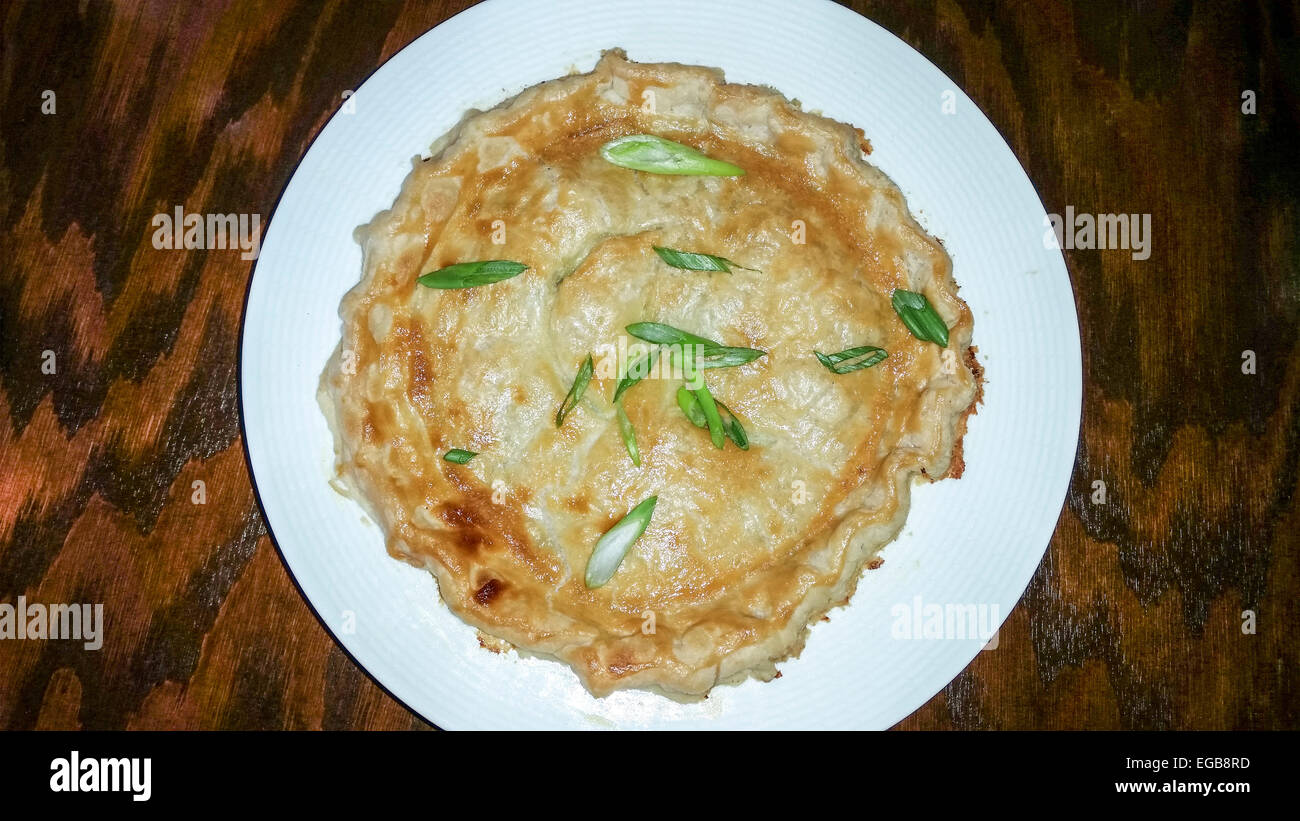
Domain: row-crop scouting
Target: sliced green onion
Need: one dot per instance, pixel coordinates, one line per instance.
(732, 427)
(667, 335)
(626, 431)
(580, 383)
(459, 457)
(472, 274)
(633, 367)
(711, 415)
(920, 317)
(646, 152)
(691, 261)
(710, 354)
(853, 359)
(723, 357)
(617, 541)
(730, 422)
(691, 407)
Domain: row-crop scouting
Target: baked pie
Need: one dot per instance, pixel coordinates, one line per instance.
(642, 366)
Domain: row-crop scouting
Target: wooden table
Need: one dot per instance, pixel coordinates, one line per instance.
(1135, 617)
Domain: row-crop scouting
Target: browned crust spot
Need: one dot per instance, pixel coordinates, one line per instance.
(488, 591)
(578, 504)
(468, 532)
(481, 523)
(863, 142)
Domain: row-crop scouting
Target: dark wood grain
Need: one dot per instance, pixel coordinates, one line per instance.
(1134, 618)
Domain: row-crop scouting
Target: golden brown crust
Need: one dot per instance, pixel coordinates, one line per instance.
(735, 564)
(958, 464)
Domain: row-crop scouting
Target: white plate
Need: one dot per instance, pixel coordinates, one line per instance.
(974, 541)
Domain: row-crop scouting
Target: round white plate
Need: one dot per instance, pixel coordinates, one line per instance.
(974, 542)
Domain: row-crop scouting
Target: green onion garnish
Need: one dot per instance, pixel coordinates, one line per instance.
(730, 423)
(691, 407)
(853, 359)
(732, 427)
(723, 357)
(640, 365)
(646, 152)
(711, 415)
(707, 405)
(920, 317)
(472, 274)
(580, 383)
(626, 431)
(617, 541)
(459, 457)
(691, 261)
(667, 335)
(709, 354)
